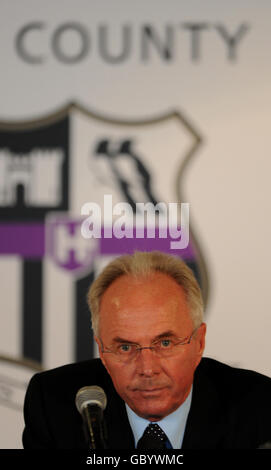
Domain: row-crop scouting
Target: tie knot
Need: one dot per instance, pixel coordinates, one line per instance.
(153, 438)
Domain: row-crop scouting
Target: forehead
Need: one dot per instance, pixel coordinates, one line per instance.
(148, 304)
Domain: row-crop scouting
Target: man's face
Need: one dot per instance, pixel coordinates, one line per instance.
(141, 311)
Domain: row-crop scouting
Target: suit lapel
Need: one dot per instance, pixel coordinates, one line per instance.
(205, 424)
(119, 432)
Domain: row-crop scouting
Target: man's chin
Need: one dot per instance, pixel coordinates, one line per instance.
(152, 410)
(151, 415)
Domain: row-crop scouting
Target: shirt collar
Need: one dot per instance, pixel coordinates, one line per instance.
(173, 424)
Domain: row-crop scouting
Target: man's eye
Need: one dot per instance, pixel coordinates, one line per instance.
(166, 343)
(125, 348)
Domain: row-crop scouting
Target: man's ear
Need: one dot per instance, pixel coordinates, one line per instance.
(200, 339)
(98, 341)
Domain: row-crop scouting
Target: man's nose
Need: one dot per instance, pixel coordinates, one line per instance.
(147, 363)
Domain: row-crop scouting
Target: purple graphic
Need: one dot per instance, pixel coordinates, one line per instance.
(24, 239)
(61, 239)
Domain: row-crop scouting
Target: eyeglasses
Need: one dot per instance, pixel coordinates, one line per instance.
(162, 348)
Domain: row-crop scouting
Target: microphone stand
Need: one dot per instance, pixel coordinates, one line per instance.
(94, 427)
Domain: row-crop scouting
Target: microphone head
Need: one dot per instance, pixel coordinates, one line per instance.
(90, 395)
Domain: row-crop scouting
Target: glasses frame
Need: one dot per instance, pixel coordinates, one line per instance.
(182, 342)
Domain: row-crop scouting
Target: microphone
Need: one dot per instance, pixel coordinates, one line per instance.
(90, 402)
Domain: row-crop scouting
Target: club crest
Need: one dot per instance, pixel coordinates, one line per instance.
(49, 168)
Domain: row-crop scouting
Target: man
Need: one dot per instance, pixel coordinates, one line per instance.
(147, 316)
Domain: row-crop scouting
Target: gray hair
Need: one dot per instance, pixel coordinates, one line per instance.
(142, 265)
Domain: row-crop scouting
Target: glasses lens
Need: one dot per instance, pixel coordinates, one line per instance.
(126, 352)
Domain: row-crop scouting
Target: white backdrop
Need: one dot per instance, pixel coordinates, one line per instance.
(217, 74)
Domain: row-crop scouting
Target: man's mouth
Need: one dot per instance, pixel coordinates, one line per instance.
(149, 391)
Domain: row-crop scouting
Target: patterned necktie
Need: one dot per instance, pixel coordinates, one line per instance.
(153, 438)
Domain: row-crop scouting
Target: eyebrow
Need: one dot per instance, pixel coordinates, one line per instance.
(168, 334)
(117, 339)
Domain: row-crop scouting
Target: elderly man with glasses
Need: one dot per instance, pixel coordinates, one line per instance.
(147, 317)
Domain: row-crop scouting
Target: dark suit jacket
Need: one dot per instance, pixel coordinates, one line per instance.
(230, 409)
